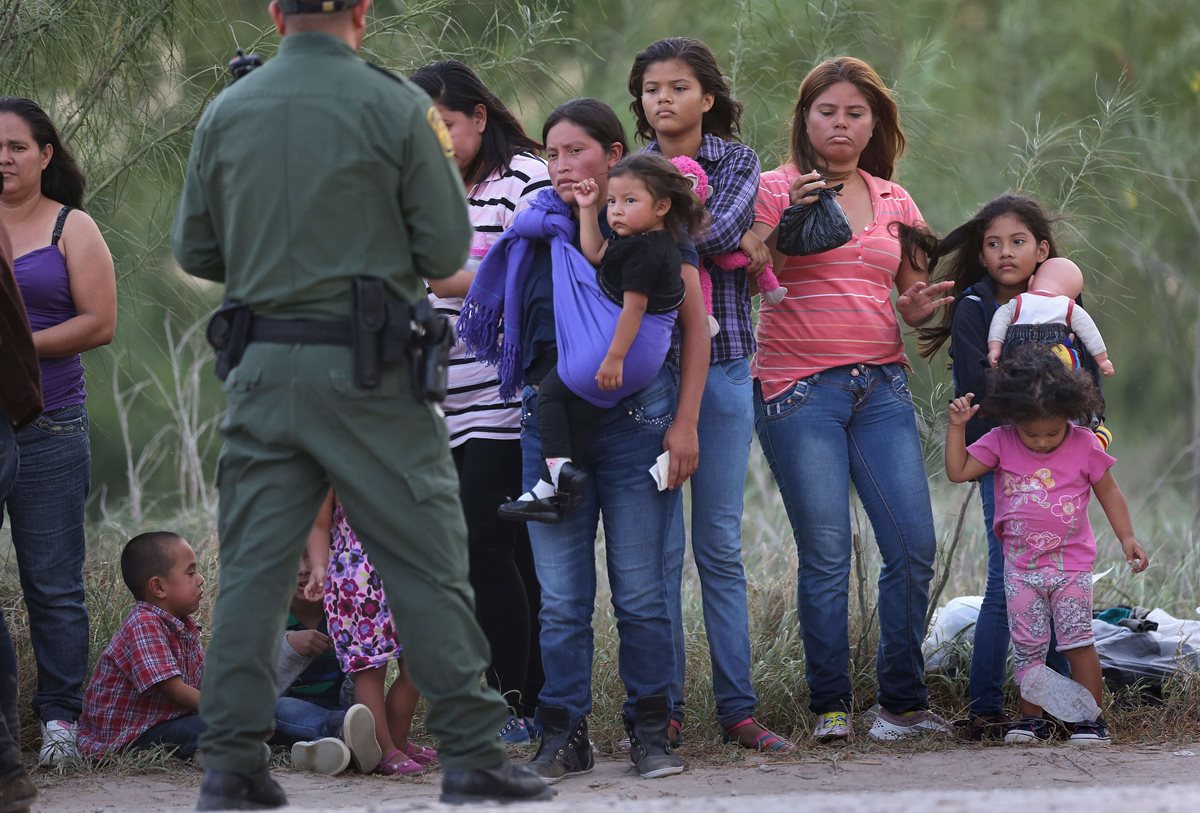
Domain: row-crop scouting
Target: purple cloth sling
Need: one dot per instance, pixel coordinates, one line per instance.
(584, 318)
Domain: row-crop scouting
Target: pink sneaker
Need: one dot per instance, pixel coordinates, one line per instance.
(396, 763)
(419, 755)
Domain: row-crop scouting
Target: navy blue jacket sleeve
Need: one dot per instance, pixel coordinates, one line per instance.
(968, 354)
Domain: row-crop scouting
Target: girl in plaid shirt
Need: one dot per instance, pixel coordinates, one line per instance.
(684, 107)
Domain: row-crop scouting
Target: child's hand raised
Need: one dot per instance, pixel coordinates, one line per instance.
(314, 590)
(587, 193)
(961, 410)
(1135, 555)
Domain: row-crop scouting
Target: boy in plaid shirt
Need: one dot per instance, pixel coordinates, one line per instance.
(145, 689)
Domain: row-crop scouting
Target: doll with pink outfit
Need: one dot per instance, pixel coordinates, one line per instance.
(766, 281)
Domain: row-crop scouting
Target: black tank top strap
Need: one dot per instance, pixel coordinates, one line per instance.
(58, 225)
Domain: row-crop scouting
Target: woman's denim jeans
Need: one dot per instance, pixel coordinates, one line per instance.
(989, 654)
(636, 518)
(726, 427)
(46, 507)
(854, 424)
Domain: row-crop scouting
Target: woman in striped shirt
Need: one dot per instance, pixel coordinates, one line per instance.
(833, 403)
(501, 173)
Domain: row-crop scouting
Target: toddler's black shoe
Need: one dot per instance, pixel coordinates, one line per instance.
(229, 790)
(572, 483)
(540, 509)
(1029, 730)
(504, 784)
(1090, 733)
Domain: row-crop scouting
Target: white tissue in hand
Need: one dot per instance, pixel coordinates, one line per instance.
(661, 471)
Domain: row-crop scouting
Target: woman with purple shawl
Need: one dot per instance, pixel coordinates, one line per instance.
(509, 320)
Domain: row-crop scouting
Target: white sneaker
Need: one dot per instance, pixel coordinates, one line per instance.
(58, 744)
(328, 756)
(358, 732)
(889, 727)
(832, 726)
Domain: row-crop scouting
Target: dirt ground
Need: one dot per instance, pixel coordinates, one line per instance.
(945, 777)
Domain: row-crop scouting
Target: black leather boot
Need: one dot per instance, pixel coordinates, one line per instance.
(648, 746)
(227, 790)
(565, 750)
(504, 783)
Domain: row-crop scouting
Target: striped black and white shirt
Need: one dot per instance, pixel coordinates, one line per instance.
(473, 406)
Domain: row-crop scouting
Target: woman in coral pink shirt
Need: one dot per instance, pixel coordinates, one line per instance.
(833, 404)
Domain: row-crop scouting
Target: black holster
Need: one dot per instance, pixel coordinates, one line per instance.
(385, 332)
(432, 338)
(228, 332)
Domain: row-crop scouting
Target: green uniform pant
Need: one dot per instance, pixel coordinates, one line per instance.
(296, 425)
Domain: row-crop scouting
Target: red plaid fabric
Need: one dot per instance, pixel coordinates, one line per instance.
(121, 702)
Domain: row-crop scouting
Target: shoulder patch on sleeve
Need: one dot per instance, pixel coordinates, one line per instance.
(434, 119)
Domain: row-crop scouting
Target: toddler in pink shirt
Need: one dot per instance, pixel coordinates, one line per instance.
(1046, 470)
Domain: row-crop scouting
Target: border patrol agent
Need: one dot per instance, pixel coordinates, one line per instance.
(321, 190)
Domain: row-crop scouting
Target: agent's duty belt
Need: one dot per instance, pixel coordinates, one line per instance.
(378, 332)
(299, 331)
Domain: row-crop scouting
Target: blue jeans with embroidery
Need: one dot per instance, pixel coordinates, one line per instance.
(725, 429)
(636, 518)
(46, 507)
(855, 424)
(989, 653)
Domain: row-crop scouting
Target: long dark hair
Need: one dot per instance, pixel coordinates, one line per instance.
(1032, 383)
(887, 140)
(961, 250)
(687, 216)
(592, 116)
(62, 179)
(454, 86)
(723, 119)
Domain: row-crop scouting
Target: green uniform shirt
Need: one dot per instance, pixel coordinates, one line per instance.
(312, 170)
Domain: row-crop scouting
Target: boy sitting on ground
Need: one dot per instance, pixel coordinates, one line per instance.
(145, 688)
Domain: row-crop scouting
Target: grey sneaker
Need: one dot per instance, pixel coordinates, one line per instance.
(329, 756)
(890, 727)
(358, 732)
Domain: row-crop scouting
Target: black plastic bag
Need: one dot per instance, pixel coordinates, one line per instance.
(814, 227)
